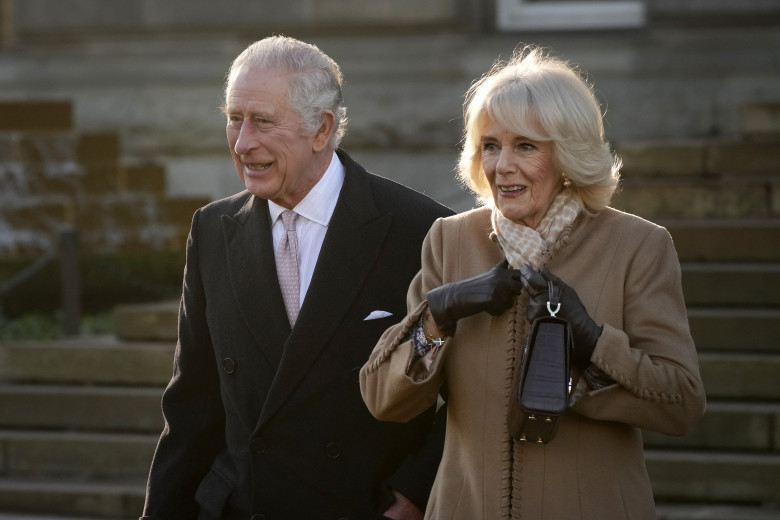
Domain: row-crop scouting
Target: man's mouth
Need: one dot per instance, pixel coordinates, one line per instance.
(256, 167)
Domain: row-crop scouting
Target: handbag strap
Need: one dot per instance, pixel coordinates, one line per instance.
(553, 298)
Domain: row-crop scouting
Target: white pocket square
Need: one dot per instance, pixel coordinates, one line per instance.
(375, 315)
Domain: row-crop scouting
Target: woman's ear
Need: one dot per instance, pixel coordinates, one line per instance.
(325, 131)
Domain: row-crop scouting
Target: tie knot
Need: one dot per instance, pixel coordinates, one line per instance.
(288, 219)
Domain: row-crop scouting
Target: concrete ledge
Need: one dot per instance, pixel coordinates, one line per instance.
(90, 499)
(754, 240)
(662, 158)
(715, 477)
(716, 431)
(731, 284)
(740, 376)
(77, 455)
(104, 409)
(714, 512)
(691, 198)
(735, 329)
(743, 157)
(147, 322)
(87, 361)
(760, 120)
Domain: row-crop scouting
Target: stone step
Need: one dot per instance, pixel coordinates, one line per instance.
(708, 159)
(731, 284)
(117, 501)
(735, 329)
(147, 322)
(740, 376)
(719, 477)
(737, 197)
(708, 240)
(53, 409)
(680, 476)
(728, 426)
(81, 408)
(87, 360)
(77, 455)
(107, 361)
(722, 328)
(759, 120)
(713, 512)
(664, 511)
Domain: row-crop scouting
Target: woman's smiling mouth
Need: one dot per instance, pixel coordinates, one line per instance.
(512, 189)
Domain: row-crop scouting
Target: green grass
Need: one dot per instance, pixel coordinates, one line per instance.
(49, 326)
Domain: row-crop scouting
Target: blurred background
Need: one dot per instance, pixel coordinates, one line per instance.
(111, 137)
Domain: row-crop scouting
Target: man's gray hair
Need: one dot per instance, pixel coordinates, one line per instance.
(315, 84)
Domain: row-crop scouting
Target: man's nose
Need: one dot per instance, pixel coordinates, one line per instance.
(246, 141)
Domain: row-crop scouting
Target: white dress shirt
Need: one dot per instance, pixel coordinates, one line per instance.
(314, 211)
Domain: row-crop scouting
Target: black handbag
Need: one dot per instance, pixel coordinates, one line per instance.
(543, 381)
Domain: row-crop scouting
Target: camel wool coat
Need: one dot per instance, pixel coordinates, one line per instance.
(627, 274)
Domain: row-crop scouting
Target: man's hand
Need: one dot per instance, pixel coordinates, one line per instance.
(403, 509)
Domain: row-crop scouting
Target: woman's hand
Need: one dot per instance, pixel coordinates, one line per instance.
(586, 332)
(492, 291)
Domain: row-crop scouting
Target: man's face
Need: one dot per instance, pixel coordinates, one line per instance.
(272, 156)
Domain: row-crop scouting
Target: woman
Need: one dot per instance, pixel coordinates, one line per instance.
(535, 153)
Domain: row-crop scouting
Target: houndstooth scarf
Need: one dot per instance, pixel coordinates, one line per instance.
(523, 245)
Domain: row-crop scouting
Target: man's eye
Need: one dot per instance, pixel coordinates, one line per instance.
(234, 120)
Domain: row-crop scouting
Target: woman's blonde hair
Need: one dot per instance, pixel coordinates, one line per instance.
(542, 98)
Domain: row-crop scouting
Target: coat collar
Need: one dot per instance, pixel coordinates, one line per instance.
(352, 243)
(252, 271)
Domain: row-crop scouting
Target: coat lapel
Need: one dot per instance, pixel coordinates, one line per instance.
(351, 246)
(253, 277)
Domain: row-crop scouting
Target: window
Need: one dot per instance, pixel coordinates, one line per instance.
(512, 15)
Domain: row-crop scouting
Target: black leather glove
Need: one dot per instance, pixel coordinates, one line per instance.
(492, 291)
(585, 331)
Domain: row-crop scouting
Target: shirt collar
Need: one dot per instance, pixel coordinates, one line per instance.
(319, 204)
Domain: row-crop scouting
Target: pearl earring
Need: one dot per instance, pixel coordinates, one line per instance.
(566, 181)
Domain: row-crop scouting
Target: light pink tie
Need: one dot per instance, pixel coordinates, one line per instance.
(287, 265)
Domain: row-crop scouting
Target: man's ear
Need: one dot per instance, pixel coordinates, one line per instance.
(325, 131)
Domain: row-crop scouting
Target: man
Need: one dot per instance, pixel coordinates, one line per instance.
(263, 414)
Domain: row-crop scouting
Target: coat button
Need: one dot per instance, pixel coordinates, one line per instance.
(258, 445)
(229, 365)
(333, 450)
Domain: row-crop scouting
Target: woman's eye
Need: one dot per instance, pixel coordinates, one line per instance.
(489, 147)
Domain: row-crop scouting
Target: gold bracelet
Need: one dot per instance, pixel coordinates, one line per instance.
(436, 341)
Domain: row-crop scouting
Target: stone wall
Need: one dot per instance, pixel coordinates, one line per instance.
(58, 16)
(53, 178)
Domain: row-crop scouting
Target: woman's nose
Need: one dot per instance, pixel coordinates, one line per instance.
(505, 164)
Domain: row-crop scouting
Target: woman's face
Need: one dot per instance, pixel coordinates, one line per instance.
(521, 173)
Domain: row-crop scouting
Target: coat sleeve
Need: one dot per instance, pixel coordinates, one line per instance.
(651, 356)
(194, 419)
(387, 389)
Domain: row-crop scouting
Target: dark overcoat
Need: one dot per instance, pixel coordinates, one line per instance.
(266, 422)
